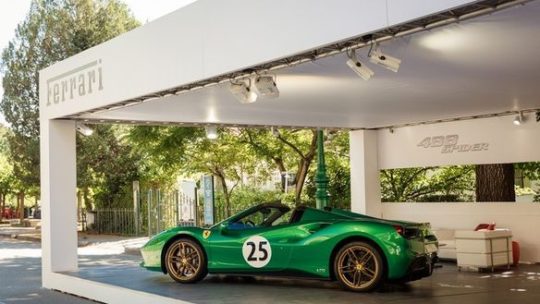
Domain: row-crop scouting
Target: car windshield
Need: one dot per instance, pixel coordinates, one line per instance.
(262, 217)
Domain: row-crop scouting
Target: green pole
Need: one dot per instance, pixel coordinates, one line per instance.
(321, 179)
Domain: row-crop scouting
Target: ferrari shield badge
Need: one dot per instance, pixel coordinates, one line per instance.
(206, 233)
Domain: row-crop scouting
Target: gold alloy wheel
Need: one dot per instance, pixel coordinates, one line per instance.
(359, 267)
(184, 261)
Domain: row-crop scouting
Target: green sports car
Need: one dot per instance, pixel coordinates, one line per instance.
(271, 239)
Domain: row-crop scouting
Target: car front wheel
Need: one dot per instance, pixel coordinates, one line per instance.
(358, 266)
(185, 261)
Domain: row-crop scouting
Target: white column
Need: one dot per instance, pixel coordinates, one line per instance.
(365, 183)
(58, 197)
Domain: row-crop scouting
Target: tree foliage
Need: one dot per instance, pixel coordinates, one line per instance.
(286, 148)
(454, 183)
(52, 31)
(6, 168)
(163, 151)
(107, 166)
(530, 170)
(228, 159)
(238, 153)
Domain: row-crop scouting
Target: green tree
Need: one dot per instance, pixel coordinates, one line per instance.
(266, 145)
(6, 169)
(427, 184)
(172, 151)
(106, 166)
(286, 148)
(530, 170)
(162, 150)
(52, 31)
(227, 158)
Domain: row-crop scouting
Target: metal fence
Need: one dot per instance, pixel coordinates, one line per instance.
(167, 209)
(153, 211)
(115, 221)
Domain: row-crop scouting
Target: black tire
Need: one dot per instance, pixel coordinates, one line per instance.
(185, 261)
(359, 267)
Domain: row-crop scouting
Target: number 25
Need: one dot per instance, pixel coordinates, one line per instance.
(252, 257)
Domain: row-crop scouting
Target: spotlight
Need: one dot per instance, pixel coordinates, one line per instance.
(266, 86)
(518, 120)
(243, 92)
(358, 67)
(387, 61)
(211, 132)
(84, 129)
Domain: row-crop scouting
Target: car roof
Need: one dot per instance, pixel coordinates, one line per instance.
(274, 204)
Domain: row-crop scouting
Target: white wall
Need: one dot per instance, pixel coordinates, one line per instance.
(489, 140)
(498, 141)
(365, 182)
(522, 218)
(58, 198)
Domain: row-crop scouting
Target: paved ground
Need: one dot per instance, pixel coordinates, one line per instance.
(118, 244)
(447, 285)
(20, 275)
(20, 263)
(104, 262)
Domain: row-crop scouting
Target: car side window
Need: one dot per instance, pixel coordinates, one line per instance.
(284, 219)
(264, 217)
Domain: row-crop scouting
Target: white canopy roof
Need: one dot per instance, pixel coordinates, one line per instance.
(486, 65)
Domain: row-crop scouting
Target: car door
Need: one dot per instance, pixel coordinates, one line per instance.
(248, 249)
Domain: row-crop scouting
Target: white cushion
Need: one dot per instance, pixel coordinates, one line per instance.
(444, 234)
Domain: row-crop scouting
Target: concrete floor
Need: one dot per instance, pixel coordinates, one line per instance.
(447, 285)
(20, 281)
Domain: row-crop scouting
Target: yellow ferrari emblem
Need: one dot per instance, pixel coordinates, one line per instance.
(206, 233)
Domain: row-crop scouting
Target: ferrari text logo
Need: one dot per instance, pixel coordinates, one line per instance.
(81, 81)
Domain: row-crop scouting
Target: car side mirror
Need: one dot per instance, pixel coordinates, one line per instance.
(224, 228)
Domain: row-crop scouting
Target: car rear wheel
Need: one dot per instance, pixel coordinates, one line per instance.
(185, 261)
(358, 266)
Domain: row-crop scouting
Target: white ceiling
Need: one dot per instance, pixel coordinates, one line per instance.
(487, 65)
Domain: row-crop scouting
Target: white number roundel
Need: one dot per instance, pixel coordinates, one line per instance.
(257, 251)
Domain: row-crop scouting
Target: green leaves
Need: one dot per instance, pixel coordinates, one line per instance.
(52, 31)
(454, 183)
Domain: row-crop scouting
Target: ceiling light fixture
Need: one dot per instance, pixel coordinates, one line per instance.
(84, 129)
(243, 91)
(378, 57)
(358, 67)
(266, 86)
(211, 132)
(519, 119)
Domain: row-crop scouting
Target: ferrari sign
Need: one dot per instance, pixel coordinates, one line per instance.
(79, 82)
(257, 251)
